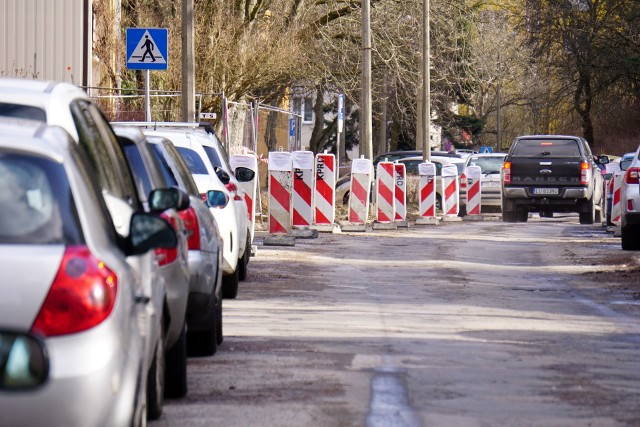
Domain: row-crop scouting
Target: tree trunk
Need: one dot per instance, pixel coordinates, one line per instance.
(316, 141)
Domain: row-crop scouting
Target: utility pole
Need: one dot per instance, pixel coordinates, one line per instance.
(498, 113)
(188, 63)
(426, 85)
(366, 139)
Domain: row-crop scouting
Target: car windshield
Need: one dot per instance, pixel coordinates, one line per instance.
(193, 161)
(552, 147)
(36, 203)
(488, 165)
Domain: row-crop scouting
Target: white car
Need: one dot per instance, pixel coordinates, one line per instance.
(220, 160)
(491, 192)
(233, 226)
(630, 203)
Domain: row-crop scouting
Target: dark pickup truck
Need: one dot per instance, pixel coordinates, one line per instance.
(551, 173)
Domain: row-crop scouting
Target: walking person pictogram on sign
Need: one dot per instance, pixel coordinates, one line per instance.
(148, 46)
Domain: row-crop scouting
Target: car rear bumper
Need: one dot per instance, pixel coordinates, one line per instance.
(525, 193)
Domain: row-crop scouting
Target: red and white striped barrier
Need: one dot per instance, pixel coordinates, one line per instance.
(427, 205)
(474, 191)
(616, 207)
(401, 191)
(361, 171)
(250, 188)
(385, 192)
(450, 193)
(325, 189)
(280, 186)
(302, 189)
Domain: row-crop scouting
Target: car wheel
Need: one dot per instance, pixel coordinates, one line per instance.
(243, 263)
(588, 217)
(630, 237)
(345, 198)
(176, 368)
(522, 215)
(156, 380)
(205, 342)
(219, 332)
(230, 285)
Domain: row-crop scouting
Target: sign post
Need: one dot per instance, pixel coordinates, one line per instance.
(147, 49)
(340, 128)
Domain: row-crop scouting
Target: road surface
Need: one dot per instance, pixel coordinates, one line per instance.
(462, 324)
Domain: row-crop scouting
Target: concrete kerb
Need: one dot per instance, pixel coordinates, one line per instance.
(402, 224)
(427, 221)
(303, 233)
(279, 240)
(353, 227)
(384, 226)
(450, 218)
(328, 228)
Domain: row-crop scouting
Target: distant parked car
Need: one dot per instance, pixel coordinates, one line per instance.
(204, 309)
(490, 191)
(630, 202)
(67, 279)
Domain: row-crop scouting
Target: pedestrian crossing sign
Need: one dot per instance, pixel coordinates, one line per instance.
(147, 48)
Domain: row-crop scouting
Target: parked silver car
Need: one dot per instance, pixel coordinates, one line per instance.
(490, 188)
(80, 295)
(172, 268)
(204, 310)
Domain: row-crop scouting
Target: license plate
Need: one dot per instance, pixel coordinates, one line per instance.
(547, 191)
(490, 183)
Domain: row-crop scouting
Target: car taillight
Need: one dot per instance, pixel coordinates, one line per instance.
(190, 220)
(167, 255)
(233, 190)
(630, 205)
(506, 172)
(585, 173)
(82, 295)
(632, 176)
(463, 181)
(203, 196)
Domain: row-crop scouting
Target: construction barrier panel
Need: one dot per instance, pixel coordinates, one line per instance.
(385, 192)
(401, 191)
(616, 208)
(302, 189)
(427, 203)
(325, 189)
(250, 188)
(450, 193)
(280, 187)
(360, 190)
(474, 190)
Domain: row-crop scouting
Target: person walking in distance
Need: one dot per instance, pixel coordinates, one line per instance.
(148, 45)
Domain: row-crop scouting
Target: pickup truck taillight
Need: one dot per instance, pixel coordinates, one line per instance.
(585, 173)
(506, 173)
(632, 176)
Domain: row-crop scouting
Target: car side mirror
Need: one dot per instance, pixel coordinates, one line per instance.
(603, 160)
(217, 199)
(24, 359)
(608, 176)
(162, 199)
(223, 176)
(148, 231)
(244, 174)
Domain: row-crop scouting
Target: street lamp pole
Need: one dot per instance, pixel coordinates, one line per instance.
(426, 85)
(366, 139)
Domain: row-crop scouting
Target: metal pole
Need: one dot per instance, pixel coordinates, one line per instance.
(147, 98)
(426, 85)
(366, 140)
(188, 61)
(498, 115)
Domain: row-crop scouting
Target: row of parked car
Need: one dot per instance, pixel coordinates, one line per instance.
(118, 243)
